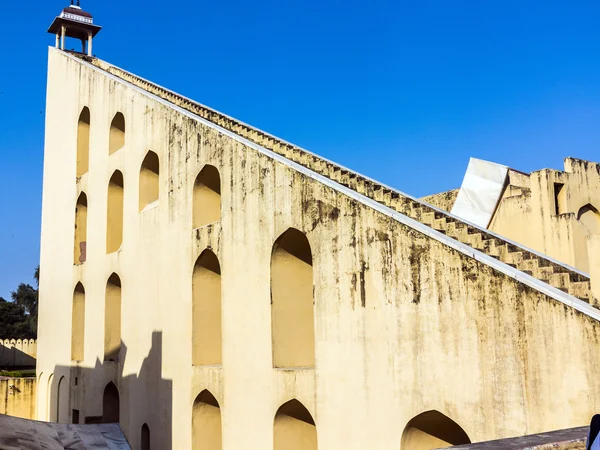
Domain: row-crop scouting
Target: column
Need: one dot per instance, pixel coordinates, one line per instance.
(62, 37)
(89, 43)
(593, 246)
(57, 40)
(83, 46)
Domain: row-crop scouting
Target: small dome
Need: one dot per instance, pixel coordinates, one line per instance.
(76, 10)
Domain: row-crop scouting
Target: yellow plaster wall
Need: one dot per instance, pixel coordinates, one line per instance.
(402, 324)
(17, 397)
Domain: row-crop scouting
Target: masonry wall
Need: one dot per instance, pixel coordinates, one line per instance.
(556, 213)
(17, 397)
(17, 352)
(403, 324)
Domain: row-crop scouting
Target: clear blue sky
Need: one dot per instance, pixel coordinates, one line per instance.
(401, 91)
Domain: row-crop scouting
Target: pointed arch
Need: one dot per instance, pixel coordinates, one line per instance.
(62, 401)
(432, 429)
(207, 197)
(589, 216)
(206, 310)
(114, 213)
(116, 140)
(80, 229)
(294, 428)
(78, 323)
(83, 141)
(145, 437)
(292, 303)
(149, 180)
(206, 422)
(50, 401)
(112, 318)
(110, 404)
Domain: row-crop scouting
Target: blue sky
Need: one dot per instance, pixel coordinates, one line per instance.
(401, 91)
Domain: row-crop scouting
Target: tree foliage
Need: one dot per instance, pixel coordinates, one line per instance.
(18, 319)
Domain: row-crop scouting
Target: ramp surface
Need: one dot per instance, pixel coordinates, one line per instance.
(24, 434)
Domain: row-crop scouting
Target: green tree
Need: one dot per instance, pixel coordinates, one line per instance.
(13, 321)
(18, 319)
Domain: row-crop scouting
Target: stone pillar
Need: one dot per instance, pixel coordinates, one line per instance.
(83, 46)
(57, 40)
(62, 37)
(593, 246)
(89, 52)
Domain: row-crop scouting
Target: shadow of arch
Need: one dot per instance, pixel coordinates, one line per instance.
(114, 212)
(589, 216)
(206, 310)
(112, 318)
(432, 429)
(117, 133)
(83, 141)
(207, 197)
(110, 404)
(80, 229)
(62, 401)
(206, 422)
(292, 301)
(50, 400)
(39, 395)
(294, 428)
(149, 180)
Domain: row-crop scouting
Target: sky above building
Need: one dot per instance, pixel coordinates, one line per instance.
(404, 92)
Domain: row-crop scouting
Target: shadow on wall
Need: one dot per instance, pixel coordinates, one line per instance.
(17, 352)
(141, 404)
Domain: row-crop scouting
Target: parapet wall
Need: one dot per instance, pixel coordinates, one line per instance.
(17, 352)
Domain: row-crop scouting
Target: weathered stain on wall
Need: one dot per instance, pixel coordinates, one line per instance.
(403, 324)
(17, 397)
(18, 352)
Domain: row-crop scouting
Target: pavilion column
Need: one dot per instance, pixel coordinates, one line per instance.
(89, 52)
(57, 40)
(83, 46)
(62, 37)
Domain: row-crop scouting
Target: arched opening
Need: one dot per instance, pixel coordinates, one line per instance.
(116, 139)
(294, 428)
(83, 141)
(110, 404)
(149, 185)
(206, 310)
(292, 305)
(80, 229)
(114, 213)
(145, 439)
(40, 395)
(207, 197)
(62, 401)
(51, 401)
(112, 318)
(432, 429)
(590, 218)
(78, 323)
(206, 423)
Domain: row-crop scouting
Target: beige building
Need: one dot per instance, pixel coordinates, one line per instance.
(550, 211)
(210, 286)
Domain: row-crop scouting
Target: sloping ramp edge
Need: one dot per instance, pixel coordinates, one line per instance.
(24, 434)
(477, 255)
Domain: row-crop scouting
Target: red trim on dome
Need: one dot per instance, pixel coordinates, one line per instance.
(77, 12)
